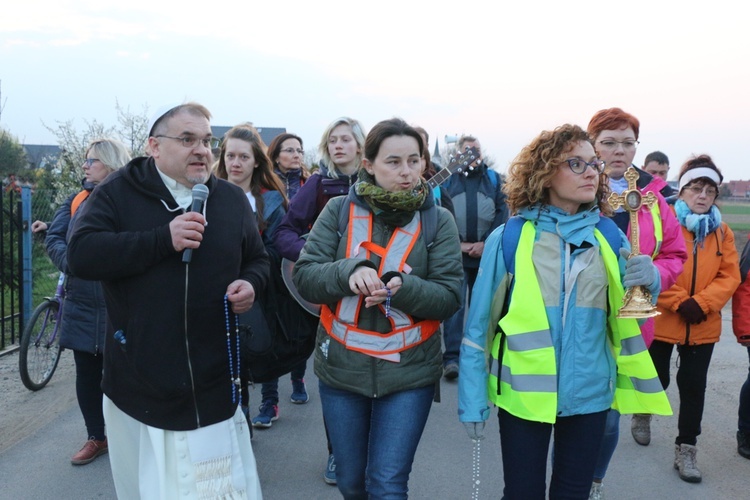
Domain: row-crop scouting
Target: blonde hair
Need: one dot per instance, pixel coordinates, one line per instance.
(112, 153)
(359, 138)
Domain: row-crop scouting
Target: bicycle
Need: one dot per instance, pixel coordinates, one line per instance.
(40, 341)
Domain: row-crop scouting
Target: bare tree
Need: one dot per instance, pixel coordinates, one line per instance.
(132, 128)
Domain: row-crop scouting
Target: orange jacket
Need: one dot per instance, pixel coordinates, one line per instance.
(710, 275)
(741, 298)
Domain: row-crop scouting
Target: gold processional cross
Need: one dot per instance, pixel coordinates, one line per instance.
(637, 300)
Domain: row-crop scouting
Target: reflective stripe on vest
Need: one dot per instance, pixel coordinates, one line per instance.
(638, 389)
(528, 378)
(404, 332)
(658, 231)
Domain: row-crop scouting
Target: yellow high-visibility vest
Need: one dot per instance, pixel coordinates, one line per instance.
(528, 375)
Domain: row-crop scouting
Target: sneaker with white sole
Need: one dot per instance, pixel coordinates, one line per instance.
(597, 491)
(329, 476)
(299, 392)
(269, 412)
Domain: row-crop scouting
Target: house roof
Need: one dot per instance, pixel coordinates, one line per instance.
(37, 153)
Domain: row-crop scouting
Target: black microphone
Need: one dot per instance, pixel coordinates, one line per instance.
(200, 195)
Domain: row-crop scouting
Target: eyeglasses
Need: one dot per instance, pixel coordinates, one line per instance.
(579, 166)
(711, 192)
(291, 151)
(627, 145)
(190, 141)
(90, 161)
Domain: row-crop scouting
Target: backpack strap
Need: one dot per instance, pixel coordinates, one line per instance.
(78, 200)
(511, 235)
(611, 233)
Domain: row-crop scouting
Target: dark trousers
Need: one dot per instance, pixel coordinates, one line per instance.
(525, 447)
(692, 375)
(89, 391)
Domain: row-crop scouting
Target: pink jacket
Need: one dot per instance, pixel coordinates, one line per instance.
(672, 254)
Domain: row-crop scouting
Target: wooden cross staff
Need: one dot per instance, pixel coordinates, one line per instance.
(637, 300)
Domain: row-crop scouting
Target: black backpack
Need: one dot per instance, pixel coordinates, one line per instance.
(276, 335)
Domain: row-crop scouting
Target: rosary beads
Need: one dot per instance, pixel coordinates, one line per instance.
(234, 375)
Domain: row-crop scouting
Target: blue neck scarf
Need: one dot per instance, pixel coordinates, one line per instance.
(701, 225)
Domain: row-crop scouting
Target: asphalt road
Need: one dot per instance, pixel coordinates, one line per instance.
(291, 455)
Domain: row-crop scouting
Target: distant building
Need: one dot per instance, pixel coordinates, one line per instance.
(436, 158)
(739, 189)
(39, 155)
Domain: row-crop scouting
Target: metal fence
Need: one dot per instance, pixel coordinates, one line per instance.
(26, 273)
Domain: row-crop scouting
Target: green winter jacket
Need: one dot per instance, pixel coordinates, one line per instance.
(430, 291)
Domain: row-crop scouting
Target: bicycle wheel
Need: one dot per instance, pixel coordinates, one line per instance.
(40, 346)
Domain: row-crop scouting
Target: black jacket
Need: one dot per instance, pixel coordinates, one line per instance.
(172, 372)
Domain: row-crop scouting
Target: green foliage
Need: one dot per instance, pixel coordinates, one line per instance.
(12, 155)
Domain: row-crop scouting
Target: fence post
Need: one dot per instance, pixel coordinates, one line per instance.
(26, 295)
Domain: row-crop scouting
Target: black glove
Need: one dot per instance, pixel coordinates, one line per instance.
(691, 312)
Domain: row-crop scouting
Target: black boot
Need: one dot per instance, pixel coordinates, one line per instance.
(743, 443)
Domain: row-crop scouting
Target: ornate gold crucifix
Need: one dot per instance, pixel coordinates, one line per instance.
(637, 300)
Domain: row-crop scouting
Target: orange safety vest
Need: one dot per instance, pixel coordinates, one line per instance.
(342, 325)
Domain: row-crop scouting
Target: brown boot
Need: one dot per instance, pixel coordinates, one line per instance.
(89, 452)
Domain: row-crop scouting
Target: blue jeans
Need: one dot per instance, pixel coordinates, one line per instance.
(744, 411)
(525, 447)
(453, 328)
(609, 443)
(375, 439)
(270, 390)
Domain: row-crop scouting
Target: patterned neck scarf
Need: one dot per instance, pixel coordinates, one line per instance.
(701, 225)
(396, 208)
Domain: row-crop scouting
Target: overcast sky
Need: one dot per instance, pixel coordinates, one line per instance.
(501, 72)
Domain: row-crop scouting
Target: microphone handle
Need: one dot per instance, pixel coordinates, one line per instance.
(187, 254)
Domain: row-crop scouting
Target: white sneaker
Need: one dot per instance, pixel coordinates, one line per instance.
(597, 491)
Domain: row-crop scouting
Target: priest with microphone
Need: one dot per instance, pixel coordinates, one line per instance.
(179, 255)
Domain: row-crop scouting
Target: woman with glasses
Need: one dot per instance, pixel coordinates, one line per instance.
(691, 309)
(287, 158)
(341, 147)
(544, 311)
(615, 135)
(84, 311)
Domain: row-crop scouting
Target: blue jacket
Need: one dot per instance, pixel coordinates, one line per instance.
(585, 365)
(84, 319)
